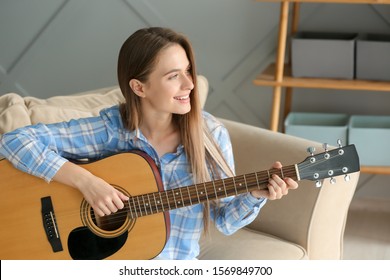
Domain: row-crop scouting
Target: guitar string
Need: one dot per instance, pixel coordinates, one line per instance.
(122, 214)
(303, 166)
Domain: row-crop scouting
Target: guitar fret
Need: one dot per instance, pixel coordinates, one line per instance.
(246, 184)
(232, 189)
(223, 181)
(215, 190)
(131, 212)
(257, 181)
(205, 189)
(155, 203)
(174, 199)
(159, 202)
(169, 204)
(171, 200)
(146, 211)
(234, 183)
(254, 180)
(162, 203)
(197, 193)
(135, 206)
(150, 205)
(181, 194)
(139, 206)
(239, 178)
(189, 195)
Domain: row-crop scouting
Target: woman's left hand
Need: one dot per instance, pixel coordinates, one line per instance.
(277, 187)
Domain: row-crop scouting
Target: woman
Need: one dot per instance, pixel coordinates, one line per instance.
(162, 117)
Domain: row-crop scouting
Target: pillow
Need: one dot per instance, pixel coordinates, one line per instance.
(13, 112)
(64, 108)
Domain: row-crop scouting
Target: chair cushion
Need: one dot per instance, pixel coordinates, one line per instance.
(247, 244)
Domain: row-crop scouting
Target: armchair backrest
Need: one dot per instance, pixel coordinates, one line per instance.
(311, 217)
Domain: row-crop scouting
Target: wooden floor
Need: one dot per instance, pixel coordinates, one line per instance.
(367, 233)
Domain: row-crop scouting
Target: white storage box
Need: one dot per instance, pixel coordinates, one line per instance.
(371, 136)
(320, 127)
(373, 57)
(323, 55)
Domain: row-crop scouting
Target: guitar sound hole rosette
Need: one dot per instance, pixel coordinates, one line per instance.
(109, 226)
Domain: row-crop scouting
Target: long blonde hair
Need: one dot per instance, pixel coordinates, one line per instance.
(136, 60)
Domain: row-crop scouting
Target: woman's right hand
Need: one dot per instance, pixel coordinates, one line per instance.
(103, 198)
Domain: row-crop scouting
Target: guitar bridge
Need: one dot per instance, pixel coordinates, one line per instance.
(50, 224)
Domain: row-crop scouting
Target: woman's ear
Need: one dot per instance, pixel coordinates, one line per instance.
(137, 87)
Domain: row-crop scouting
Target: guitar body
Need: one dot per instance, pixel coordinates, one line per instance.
(68, 229)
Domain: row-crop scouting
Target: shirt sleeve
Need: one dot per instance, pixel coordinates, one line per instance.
(232, 213)
(42, 149)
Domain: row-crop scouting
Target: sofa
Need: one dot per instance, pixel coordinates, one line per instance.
(307, 224)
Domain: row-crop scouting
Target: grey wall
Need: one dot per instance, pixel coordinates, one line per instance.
(57, 47)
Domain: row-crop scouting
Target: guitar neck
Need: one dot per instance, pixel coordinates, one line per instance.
(151, 203)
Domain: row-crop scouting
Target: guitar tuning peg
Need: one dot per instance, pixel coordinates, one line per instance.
(347, 178)
(318, 184)
(311, 150)
(339, 142)
(325, 145)
(333, 180)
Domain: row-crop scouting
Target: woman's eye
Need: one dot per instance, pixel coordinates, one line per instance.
(173, 76)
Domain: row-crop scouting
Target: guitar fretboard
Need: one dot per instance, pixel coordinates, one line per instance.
(151, 203)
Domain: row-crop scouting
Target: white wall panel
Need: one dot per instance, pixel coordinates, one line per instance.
(20, 24)
(78, 50)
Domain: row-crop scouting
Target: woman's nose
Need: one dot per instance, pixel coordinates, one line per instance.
(188, 82)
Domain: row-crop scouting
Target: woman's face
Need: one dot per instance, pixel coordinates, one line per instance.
(170, 84)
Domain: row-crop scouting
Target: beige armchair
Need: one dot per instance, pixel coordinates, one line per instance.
(307, 224)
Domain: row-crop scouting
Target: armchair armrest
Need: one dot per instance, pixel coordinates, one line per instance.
(311, 217)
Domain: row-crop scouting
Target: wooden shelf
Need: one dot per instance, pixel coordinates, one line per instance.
(378, 170)
(267, 78)
(278, 75)
(332, 1)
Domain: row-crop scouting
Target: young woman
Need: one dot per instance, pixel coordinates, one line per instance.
(162, 117)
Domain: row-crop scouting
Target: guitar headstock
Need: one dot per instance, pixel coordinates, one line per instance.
(329, 164)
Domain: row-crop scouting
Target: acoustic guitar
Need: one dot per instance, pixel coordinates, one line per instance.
(53, 221)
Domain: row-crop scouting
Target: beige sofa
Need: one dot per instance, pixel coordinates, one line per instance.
(307, 224)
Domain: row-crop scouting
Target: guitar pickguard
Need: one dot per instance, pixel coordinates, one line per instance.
(83, 244)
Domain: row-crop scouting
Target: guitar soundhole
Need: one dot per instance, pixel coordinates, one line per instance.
(111, 222)
(100, 237)
(109, 226)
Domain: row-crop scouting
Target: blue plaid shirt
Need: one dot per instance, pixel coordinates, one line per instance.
(42, 149)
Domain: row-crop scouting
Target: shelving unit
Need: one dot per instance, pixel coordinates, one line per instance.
(278, 75)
